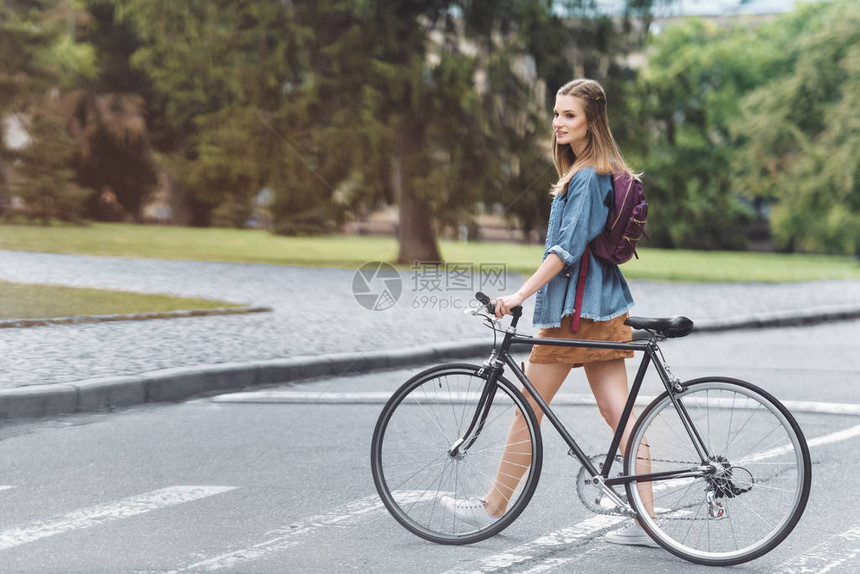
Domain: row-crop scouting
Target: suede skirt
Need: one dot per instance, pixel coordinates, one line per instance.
(612, 330)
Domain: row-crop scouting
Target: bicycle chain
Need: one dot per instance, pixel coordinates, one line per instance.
(583, 479)
(586, 490)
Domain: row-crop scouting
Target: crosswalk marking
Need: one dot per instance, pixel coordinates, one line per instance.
(544, 554)
(104, 513)
(554, 563)
(811, 443)
(280, 539)
(529, 550)
(826, 556)
(526, 552)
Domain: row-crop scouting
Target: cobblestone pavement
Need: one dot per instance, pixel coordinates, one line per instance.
(315, 312)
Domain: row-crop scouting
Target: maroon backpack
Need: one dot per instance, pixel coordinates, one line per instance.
(625, 224)
(616, 244)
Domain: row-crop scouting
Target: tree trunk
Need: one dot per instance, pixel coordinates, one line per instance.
(415, 232)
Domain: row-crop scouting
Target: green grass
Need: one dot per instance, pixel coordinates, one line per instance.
(250, 246)
(198, 244)
(26, 301)
(681, 265)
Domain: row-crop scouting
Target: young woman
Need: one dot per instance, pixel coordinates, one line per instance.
(585, 155)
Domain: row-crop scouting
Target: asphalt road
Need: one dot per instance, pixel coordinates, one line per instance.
(218, 485)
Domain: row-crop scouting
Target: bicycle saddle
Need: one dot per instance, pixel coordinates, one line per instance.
(669, 327)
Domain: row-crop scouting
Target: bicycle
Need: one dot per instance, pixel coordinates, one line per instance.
(728, 467)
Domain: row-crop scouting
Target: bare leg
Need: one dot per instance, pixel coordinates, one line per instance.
(608, 381)
(547, 379)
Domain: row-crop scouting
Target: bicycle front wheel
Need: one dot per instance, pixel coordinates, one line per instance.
(422, 471)
(756, 485)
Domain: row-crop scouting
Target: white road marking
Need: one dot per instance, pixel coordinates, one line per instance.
(285, 537)
(553, 563)
(828, 555)
(508, 559)
(104, 513)
(5, 487)
(527, 555)
(529, 550)
(817, 441)
(380, 397)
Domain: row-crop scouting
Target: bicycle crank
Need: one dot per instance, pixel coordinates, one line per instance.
(592, 495)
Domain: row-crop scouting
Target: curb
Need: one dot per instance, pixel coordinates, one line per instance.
(176, 384)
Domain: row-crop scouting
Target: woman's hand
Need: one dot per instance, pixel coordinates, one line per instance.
(505, 304)
(547, 270)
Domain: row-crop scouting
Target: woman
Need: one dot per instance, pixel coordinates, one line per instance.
(585, 155)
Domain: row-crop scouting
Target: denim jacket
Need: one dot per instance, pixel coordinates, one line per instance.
(573, 222)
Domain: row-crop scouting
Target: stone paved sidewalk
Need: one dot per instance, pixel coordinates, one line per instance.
(314, 313)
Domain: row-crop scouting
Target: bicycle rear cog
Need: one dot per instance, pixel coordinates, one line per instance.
(592, 496)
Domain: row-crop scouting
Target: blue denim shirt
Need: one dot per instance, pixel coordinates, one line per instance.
(572, 224)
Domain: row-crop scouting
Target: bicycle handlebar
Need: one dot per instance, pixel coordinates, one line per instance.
(491, 308)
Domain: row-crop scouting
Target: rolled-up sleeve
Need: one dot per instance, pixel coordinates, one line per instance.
(583, 218)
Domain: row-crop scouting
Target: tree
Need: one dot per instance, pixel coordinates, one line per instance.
(688, 95)
(337, 106)
(446, 135)
(243, 89)
(44, 169)
(114, 151)
(738, 120)
(40, 54)
(800, 132)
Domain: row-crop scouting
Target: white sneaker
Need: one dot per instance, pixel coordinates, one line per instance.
(471, 510)
(631, 535)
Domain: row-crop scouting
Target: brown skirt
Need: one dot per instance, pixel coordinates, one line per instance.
(612, 330)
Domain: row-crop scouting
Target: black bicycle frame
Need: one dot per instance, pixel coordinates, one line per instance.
(651, 354)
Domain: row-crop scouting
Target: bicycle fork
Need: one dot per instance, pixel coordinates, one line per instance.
(462, 445)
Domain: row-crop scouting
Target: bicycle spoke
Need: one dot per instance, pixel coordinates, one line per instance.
(745, 505)
(442, 430)
(416, 456)
(743, 426)
(761, 440)
(419, 471)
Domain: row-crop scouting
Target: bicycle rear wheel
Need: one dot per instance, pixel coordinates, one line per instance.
(759, 478)
(416, 473)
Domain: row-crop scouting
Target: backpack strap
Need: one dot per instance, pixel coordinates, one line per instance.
(580, 289)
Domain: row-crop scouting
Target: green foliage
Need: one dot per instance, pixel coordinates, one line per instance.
(45, 176)
(21, 40)
(800, 133)
(242, 82)
(225, 173)
(689, 94)
(46, 59)
(330, 103)
(742, 115)
(69, 61)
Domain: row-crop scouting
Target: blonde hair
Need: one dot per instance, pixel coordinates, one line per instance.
(601, 152)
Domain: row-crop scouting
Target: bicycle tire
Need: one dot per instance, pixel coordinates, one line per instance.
(410, 459)
(760, 484)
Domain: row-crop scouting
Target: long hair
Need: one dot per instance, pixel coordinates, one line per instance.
(601, 152)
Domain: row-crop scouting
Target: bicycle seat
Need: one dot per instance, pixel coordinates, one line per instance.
(669, 327)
